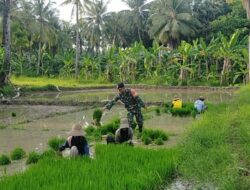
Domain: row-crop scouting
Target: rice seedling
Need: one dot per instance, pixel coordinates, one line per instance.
(17, 154)
(115, 167)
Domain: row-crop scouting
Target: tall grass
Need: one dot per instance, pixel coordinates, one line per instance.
(217, 148)
(115, 167)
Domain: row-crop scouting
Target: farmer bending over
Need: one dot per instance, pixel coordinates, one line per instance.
(123, 134)
(132, 103)
(76, 142)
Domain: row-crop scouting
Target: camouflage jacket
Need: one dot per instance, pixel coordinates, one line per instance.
(129, 98)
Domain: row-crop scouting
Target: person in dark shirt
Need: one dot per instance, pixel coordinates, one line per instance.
(76, 142)
(132, 102)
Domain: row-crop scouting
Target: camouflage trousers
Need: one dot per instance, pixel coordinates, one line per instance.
(139, 119)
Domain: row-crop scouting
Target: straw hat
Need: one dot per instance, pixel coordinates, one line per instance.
(176, 97)
(124, 123)
(201, 98)
(76, 130)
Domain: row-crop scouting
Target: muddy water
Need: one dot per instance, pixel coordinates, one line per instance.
(147, 95)
(33, 126)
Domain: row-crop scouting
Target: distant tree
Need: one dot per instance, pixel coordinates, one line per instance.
(172, 21)
(6, 42)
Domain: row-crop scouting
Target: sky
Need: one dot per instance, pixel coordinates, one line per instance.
(65, 10)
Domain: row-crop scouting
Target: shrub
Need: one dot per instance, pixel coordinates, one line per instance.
(3, 126)
(159, 141)
(55, 143)
(17, 154)
(33, 158)
(4, 160)
(97, 116)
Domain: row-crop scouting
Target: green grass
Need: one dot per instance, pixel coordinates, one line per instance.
(115, 167)
(61, 82)
(217, 148)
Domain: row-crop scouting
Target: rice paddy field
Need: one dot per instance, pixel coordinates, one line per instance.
(115, 167)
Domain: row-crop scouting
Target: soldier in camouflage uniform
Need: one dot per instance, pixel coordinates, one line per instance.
(132, 103)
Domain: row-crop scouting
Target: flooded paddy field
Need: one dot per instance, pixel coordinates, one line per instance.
(31, 126)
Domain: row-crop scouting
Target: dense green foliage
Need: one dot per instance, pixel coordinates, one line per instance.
(216, 150)
(132, 45)
(114, 167)
(17, 154)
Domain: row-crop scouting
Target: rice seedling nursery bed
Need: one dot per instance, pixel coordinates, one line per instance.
(115, 167)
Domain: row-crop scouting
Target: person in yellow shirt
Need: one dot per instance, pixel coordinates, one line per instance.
(177, 102)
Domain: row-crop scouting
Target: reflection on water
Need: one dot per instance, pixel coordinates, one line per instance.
(147, 95)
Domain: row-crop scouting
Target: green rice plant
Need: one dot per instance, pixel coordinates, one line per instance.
(110, 127)
(89, 130)
(147, 140)
(49, 154)
(186, 110)
(33, 158)
(157, 111)
(216, 148)
(17, 154)
(97, 116)
(159, 141)
(4, 160)
(55, 143)
(114, 167)
(13, 114)
(154, 134)
(3, 126)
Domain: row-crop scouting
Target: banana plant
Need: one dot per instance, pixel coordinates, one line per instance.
(227, 51)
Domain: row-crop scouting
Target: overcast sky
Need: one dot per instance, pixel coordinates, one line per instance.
(65, 11)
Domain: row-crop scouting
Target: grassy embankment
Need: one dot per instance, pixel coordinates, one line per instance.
(60, 82)
(216, 150)
(115, 167)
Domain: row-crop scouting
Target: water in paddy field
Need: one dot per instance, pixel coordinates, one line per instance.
(32, 126)
(148, 95)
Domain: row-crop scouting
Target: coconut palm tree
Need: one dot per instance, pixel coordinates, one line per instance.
(139, 14)
(172, 21)
(95, 23)
(78, 9)
(42, 13)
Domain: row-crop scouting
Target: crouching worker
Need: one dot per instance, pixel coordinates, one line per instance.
(199, 105)
(124, 134)
(76, 142)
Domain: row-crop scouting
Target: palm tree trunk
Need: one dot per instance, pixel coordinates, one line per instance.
(39, 58)
(6, 42)
(77, 40)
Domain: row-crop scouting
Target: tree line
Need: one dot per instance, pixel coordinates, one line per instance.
(162, 42)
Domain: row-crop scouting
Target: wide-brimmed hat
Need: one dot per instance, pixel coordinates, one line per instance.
(176, 97)
(124, 123)
(76, 130)
(201, 98)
